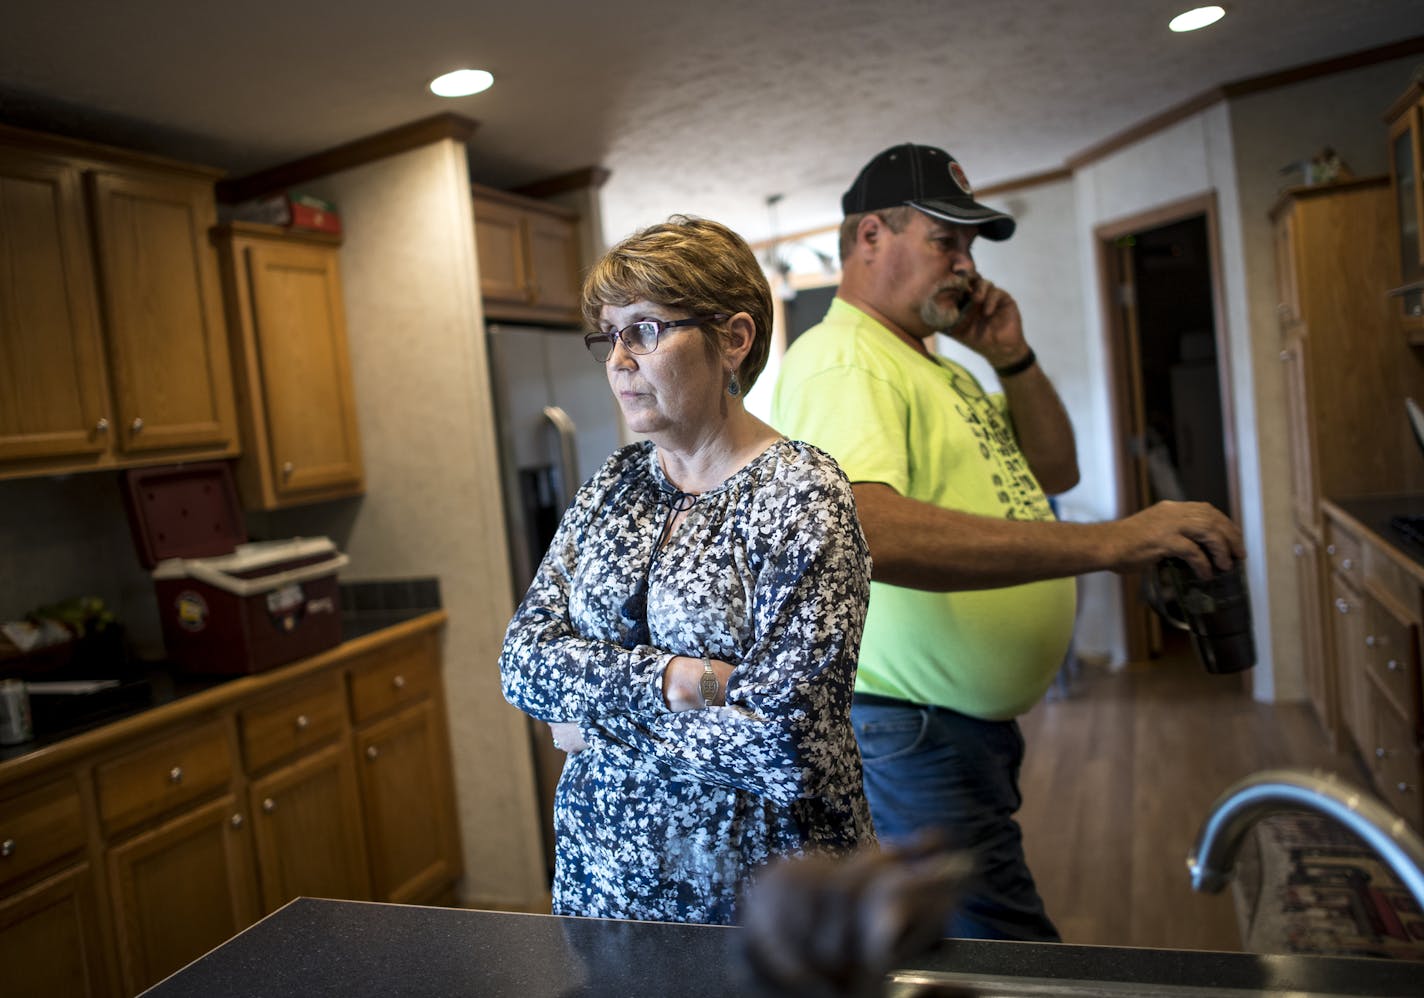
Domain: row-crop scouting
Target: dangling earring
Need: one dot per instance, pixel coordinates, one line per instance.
(734, 387)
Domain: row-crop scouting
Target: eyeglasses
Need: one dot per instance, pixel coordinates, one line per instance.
(640, 337)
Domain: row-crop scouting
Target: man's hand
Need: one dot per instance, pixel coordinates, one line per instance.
(991, 325)
(567, 737)
(1197, 532)
(682, 683)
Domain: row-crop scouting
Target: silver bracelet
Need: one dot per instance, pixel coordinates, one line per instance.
(709, 685)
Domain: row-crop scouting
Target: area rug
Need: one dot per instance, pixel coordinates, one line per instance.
(1306, 884)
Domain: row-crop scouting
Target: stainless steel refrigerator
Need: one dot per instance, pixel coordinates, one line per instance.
(557, 422)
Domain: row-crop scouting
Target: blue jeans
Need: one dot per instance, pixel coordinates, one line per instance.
(934, 768)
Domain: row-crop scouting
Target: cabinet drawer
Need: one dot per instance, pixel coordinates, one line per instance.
(1392, 653)
(182, 767)
(1396, 763)
(393, 678)
(1343, 551)
(39, 827)
(296, 721)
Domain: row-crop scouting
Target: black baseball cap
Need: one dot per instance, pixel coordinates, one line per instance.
(926, 178)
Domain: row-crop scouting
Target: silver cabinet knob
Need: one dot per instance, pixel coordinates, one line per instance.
(7, 848)
(102, 426)
(137, 425)
(175, 775)
(236, 821)
(302, 722)
(372, 752)
(1342, 606)
(1392, 665)
(269, 805)
(398, 682)
(1299, 550)
(1403, 787)
(1285, 355)
(1330, 549)
(1370, 641)
(1347, 564)
(1381, 752)
(288, 468)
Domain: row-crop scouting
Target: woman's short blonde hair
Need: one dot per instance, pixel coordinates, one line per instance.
(686, 263)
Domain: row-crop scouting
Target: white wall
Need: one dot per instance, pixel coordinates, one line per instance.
(432, 505)
(1235, 150)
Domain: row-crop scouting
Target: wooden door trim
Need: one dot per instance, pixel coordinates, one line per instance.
(1105, 236)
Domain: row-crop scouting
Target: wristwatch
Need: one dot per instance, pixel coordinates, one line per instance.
(709, 685)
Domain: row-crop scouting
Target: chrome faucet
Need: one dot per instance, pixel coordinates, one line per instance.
(1243, 804)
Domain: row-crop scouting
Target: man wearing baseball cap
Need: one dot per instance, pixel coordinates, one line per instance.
(972, 603)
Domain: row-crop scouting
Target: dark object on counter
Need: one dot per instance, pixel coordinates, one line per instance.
(228, 607)
(1215, 611)
(337, 949)
(1410, 526)
(833, 927)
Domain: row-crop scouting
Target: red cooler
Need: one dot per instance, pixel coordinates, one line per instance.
(228, 606)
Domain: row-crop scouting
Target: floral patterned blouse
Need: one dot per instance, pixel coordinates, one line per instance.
(665, 814)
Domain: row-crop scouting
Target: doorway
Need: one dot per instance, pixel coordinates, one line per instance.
(1168, 348)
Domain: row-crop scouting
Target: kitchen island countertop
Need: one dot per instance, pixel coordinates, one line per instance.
(316, 948)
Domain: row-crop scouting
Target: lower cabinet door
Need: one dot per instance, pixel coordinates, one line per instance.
(180, 889)
(409, 798)
(49, 940)
(306, 819)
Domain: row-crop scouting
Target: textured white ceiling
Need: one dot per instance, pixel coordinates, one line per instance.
(700, 107)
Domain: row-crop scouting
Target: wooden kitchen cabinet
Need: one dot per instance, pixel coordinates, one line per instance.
(305, 805)
(1378, 599)
(168, 354)
(52, 392)
(306, 819)
(181, 888)
(1405, 119)
(47, 898)
(50, 942)
(1319, 678)
(407, 787)
(113, 351)
(1345, 376)
(296, 399)
(138, 846)
(528, 258)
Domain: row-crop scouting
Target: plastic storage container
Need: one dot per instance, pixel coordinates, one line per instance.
(228, 606)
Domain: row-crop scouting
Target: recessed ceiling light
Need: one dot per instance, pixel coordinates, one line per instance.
(1198, 17)
(461, 83)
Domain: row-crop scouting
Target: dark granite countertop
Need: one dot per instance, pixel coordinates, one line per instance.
(1374, 513)
(146, 685)
(348, 949)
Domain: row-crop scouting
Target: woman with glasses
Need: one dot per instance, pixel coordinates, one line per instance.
(691, 634)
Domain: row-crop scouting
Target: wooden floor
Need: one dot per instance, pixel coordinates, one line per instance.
(1118, 777)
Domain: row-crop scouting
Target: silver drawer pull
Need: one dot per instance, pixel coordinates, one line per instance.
(1381, 752)
(175, 775)
(1342, 606)
(372, 752)
(7, 848)
(1392, 665)
(236, 820)
(1403, 787)
(137, 425)
(102, 426)
(269, 805)
(302, 722)
(398, 682)
(1369, 640)
(1347, 563)
(1330, 549)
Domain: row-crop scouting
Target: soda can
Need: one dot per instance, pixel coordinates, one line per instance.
(15, 724)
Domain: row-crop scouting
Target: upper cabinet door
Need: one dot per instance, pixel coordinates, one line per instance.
(166, 338)
(499, 243)
(53, 401)
(554, 261)
(299, 333)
